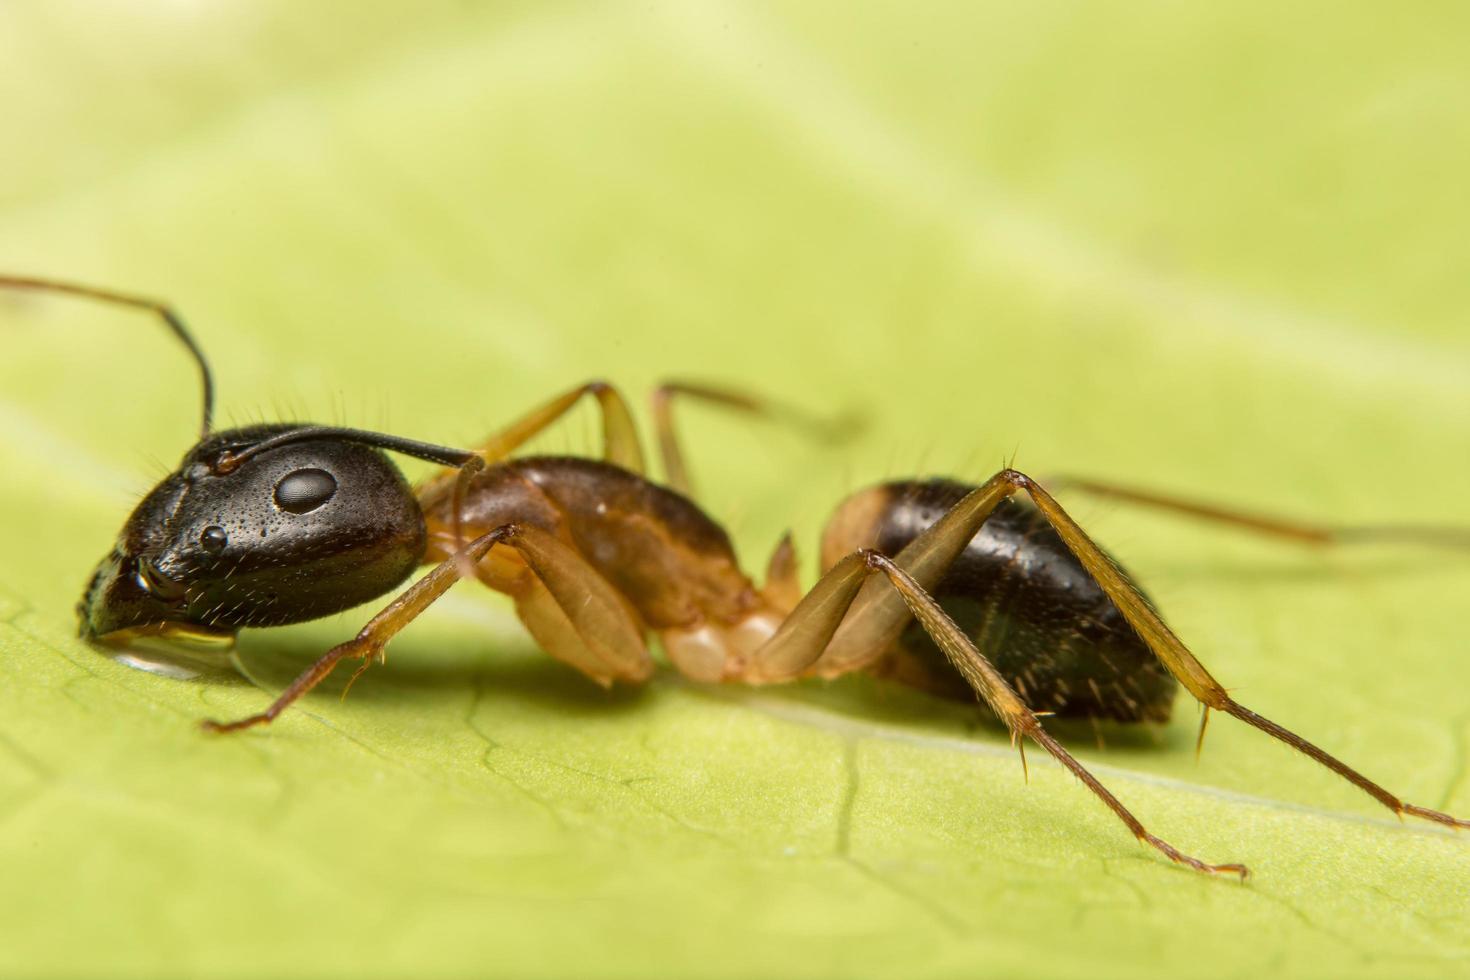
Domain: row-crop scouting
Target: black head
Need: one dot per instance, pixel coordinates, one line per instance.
(260, 526)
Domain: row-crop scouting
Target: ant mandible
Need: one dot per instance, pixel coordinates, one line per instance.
(274, 524)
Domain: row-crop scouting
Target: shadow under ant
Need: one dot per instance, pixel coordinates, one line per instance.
(517, 671)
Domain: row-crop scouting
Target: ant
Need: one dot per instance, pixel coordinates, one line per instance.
(989, 590)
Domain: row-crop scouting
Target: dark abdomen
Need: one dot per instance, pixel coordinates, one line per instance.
(1027, 603)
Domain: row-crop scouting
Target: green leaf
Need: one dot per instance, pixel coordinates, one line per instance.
(1212, 250)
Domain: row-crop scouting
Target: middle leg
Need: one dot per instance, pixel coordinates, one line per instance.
(676, 471)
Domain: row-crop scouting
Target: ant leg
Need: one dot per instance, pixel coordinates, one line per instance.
(1305, 532)
(783, 585)
(619, 435)
(1007, 704)
(588, 603)
(676, 473)
(379, 630)
(574, 613)
(802, 637)
(620, 445)
(879, 615)
(1182, 664)
(926, 557)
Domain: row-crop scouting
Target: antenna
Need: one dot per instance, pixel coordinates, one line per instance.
(170, 318)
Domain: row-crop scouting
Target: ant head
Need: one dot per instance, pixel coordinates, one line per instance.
(259, 526)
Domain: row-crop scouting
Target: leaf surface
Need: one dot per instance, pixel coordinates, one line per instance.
(1212, 251)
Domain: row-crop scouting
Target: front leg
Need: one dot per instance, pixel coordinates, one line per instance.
(620, 443)
(374, 637)
(572, 607)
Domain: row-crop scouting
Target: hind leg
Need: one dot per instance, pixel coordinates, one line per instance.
(1271, 525)
(880, 614)
(806, 633)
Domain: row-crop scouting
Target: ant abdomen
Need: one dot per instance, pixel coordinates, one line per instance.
(1021, 596)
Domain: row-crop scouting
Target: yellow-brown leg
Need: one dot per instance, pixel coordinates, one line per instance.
(879, 616)
(1288, 528)
(1182, 664)
(676, 472)
(620, 444)
(586, 601)
(810, 627)
(576, 614)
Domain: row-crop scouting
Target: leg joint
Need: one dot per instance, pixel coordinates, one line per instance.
(1016, 479)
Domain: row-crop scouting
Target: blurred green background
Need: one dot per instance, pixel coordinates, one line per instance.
(1216, 250)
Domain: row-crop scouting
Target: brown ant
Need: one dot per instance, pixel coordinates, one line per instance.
(991, 590)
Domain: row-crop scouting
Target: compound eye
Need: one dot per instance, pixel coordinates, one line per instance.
(301, 491)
